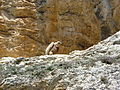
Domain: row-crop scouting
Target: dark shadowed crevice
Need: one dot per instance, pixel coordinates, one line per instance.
(104, 13)
(98, 15)
(105, 32)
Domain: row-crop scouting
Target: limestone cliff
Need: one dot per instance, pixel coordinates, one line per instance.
(28, 26)
(96, 68)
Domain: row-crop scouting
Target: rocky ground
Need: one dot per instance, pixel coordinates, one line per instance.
(96, 68)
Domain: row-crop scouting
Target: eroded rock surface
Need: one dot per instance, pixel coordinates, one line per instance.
(97, 68)
(28, 26)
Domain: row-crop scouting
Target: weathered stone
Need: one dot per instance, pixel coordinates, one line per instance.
(1, 19)
(80, 70)
(13, 45)
(3, 26)
(78, 24)
(116, 15)
(23, 12)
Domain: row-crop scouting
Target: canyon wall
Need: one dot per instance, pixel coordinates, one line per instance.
(28, 26)
(96, 68)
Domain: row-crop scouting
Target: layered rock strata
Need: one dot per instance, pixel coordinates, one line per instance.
(28, 26)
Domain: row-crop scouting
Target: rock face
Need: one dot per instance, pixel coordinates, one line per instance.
(97, 68)
(28, 26)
